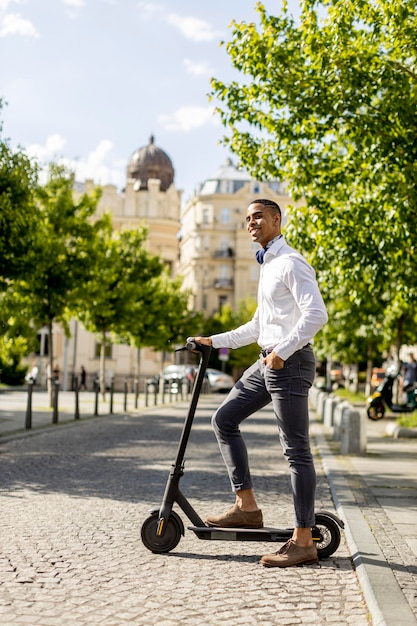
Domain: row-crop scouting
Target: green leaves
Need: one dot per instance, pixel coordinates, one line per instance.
(328, 103)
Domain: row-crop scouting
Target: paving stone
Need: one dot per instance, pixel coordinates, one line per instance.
(73, 501)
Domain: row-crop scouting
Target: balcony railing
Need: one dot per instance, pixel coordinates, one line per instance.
(223, 283)
(225, 253)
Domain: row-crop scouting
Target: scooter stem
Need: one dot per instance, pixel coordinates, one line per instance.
(172, 492)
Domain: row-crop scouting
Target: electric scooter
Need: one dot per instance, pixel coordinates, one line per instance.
(382, 397)
(163, 529)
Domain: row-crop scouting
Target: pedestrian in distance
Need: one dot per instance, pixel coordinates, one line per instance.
(290, 312)
(83, 379)
(32, 375)
(56, 373)
(409, 371)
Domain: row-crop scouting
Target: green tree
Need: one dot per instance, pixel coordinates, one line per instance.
(119, 277)
(161, 318)
(60, 256)
(19, 215)
(328, 103)
(18, 337)
(226, 319)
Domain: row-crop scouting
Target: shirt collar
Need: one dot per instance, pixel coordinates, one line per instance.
(273, 243)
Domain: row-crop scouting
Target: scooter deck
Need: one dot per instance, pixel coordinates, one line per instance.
(265, 533)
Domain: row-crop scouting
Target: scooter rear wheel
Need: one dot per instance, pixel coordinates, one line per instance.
(376, 411)
(330, 536)
(167, 542)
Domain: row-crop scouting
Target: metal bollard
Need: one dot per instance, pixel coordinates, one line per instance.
(77, 400)
(125, 395)
(28, 420)
(111, 395)
(55, 402)
(97, 391)
(136, 393)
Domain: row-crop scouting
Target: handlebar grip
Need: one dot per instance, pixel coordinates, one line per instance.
(191, 344)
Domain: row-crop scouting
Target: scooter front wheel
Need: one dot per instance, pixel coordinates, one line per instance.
(168, 541)
(329, 532)
(376, 411)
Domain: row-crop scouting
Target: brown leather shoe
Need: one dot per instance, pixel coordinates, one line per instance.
(291, 554)
(236, 518)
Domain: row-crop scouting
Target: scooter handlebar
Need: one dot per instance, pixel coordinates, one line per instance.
(194, 346)
(191, 344)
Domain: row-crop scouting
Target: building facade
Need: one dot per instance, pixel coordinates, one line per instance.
(206, 243)
(216, 252)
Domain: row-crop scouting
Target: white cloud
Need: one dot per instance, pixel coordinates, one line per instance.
(5, 3)
(14, 24)
(50, 151)
(149, 10)
(73, 3)
(188, 118)
(100, 164)
(193, 28)
(195, 68)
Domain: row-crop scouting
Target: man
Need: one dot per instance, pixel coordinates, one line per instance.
(409, 373)
(290, 312)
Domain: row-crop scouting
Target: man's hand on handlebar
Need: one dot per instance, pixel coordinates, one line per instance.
(206, 341)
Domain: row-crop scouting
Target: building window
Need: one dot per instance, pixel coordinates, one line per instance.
(225, 215)
(206, 216)
(42, 344)
(107, 351)
(225, 249)
(275, 186)
(224, 272)
(256, 188)
(222, 301)
(206, 242)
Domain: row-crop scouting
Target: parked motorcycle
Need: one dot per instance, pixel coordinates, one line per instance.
(381, 399)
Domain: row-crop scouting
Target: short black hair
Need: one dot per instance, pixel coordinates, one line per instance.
(268, 203)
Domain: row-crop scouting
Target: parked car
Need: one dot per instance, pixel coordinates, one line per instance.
(173, 375)
(219, 381)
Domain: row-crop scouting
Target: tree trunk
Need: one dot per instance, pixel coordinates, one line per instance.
(398, 344)
(369, 366)
(102, 375)
(138, 355)
(50, 368)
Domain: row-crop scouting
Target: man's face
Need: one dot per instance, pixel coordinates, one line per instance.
(262, 224)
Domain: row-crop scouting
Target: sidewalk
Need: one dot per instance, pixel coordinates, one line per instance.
(375, 495)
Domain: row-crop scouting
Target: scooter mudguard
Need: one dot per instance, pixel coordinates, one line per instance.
(155, 511)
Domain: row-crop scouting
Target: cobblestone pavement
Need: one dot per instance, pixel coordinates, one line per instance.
(73, 499)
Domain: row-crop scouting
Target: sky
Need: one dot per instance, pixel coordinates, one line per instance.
(89, 81)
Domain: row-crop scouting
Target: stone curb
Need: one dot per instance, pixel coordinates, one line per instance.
(399, 432)
(383, 596)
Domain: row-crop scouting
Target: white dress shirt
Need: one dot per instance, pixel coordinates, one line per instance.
(290, 306)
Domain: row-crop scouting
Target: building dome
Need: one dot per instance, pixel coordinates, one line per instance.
(150, 162)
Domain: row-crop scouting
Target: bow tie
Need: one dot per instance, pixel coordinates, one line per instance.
(260, 255)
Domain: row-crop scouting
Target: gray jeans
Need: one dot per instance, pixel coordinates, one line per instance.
(288, 389)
